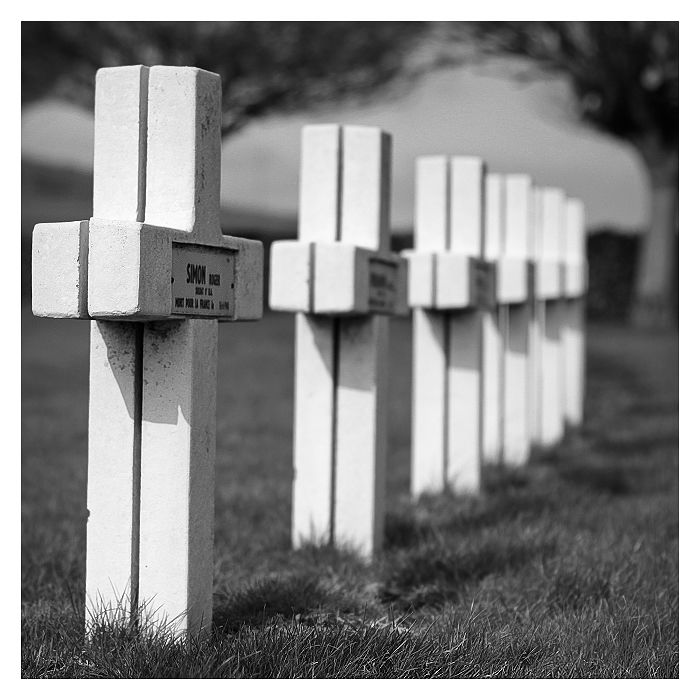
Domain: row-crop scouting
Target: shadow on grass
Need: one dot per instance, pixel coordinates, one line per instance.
(505, 499)
(436, 572)
(406, 528)
(607, 370)
(267, 599)
(637, 443)
(654, 408)
(609, 480)
(576, 589)
(320, 582)
(634, 465)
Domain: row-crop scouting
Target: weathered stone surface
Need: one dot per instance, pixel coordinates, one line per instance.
(59, 270)
(152, 251)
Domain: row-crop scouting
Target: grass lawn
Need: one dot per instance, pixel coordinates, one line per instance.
(567, 568)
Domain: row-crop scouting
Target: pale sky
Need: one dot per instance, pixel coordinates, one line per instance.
(515, 127)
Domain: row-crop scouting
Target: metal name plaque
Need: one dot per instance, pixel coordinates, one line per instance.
(532, 280)
(382, 285)
(202, 281)
(484, 283)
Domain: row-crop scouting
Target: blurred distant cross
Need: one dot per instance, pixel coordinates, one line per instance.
(343, 281)
(514, 293)
(449, 285)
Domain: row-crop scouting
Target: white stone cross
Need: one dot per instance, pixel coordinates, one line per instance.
(549, 292)
(493, 331)
(537, 321)
(154, 272)
(575, 274)
(343, 282)
(449, 285)
(514, 292)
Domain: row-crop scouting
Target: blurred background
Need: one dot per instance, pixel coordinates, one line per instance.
(591, 107)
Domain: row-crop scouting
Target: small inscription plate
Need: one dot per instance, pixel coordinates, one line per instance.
(532, 281)
(202, 281)
(383, 276)
(563, 278)
(484, 283)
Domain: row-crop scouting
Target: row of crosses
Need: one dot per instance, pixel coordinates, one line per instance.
(154, 274)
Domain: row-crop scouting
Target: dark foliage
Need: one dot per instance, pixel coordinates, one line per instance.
(624, 74)
(613, 260)
(265, 67)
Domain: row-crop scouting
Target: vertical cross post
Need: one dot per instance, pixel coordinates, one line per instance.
(362, 390)
(537, 321)
(180, 358)
(316, 340)
(575, 279)
(449, 284)
(493, 327)
(549, 289)
(342, 281)
(114, 419)
(429, 408)
(153, 270)
(464, 369)
(513, 274)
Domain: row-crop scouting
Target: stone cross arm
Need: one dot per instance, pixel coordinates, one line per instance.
(336, 279)
(157, 160)
(444, 280)
(123, 270)
(458, 262)
(513, 280)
